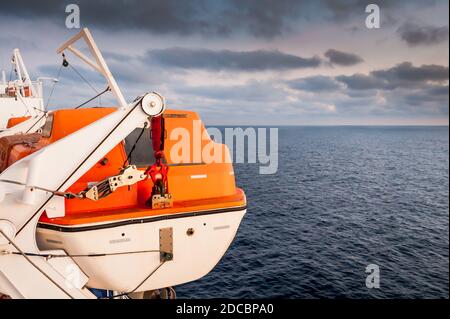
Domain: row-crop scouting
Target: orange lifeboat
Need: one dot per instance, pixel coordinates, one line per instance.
(119, 238)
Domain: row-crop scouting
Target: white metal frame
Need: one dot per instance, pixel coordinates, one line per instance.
(21, 104)
(22, 72)
(99, 65)
(33, 124)
(56, 167)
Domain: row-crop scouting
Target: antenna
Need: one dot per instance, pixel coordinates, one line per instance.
(99, 64)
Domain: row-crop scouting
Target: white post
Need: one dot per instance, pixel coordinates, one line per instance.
(21, 68)
(15, 62)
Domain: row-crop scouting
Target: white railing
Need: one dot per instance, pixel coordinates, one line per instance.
(13, 88)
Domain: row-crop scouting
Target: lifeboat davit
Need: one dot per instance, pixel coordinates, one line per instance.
(20, 96)
(131, 240)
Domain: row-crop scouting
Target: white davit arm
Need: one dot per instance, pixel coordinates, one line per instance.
(55, 167)
(22, 72)
(99, 65)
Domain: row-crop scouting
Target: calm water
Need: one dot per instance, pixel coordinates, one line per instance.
(343, 198)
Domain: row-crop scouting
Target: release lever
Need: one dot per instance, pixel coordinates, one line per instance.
(128, 176)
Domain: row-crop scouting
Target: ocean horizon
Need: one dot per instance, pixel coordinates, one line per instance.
(343, 197)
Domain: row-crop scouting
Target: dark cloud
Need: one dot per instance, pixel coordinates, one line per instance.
(158, 16)
(415, 35)
(439, 91)
(402, 75)
(406, 75)
(259, 18)
(343, 10)
(362, 82)
(342, 58)
(355, 95)
(315, 84)
(263, 18)
(259, 60)
(436, 97)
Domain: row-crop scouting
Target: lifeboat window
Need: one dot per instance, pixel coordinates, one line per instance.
(143, 152)
(48, 125)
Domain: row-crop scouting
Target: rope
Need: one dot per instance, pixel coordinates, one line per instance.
(50, 256)
(10, 73)
(83, 78)
(79, 166)
(43, 115)
(93, 98)
(34, 265)
(134, 145)
(67, 195)
(53, 86)
(26, 105)
(67, 64)
(142, 282)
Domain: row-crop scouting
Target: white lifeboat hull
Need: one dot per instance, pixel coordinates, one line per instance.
(194, 255)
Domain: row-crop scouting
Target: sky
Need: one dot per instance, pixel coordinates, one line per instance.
(249, 62)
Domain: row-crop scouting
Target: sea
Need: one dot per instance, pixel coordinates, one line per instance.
(344, 199)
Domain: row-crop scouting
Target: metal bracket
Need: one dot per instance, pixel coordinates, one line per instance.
(99, 64)
(162, 201)
(128, 176)
(166, 244)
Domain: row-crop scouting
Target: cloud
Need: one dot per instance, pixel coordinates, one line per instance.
(362, 82)
(263, 18)
(341, 11)
(439, 91)
(352, 96)
(259, 60)
(221, 18)
(317, 83)
(345, 97)
(402, 75)
(402, 90)
(415, 35)
(407, 75)
(228, 65)
(436, 96)
(342, 58)
(251, 91)
(17, 42)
